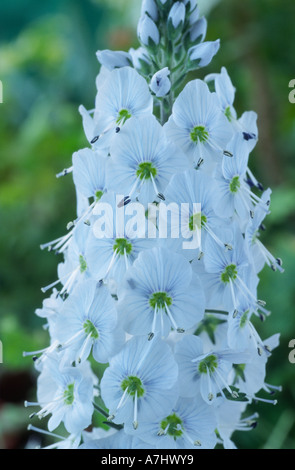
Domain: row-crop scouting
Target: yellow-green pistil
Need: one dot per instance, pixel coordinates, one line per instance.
(68, 395)
(98, 195)
(145, 170)
(228, 113)
(159, 300)
(83, 264)
(133, 384)
(123, 115)
(209, 364)
(172, 425)
(196, 221)
(229, 273)
(90, 329)
(235, 184)
(121, 246)
(244, 319)
(199, 134)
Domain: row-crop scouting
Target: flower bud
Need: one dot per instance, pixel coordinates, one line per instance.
(113, 59)
(160, 83)
(202, 54)
(140, 60)
(190, 4)
(198, 31)
(147, 31)
(150, 7)
(177, 15)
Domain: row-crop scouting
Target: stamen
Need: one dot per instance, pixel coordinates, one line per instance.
(179, 330)
(43, 431)
(210, 394)
(126, 259)
(233, 394)
(159, 195)
(264, 400)
(65, 172)
(200, 163)
(135, 422)
(84, 347)
(210, 231)
(152, 333)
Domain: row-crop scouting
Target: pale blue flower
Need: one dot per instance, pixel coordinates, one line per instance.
(113, 245)
(197, 124)
(207, 373)
(66, 394)
(143, 161)
(191, 188)
(125, 94)
(89, 173)
(88, 322)
(159, 293)
(140, 382)
(259, 254)
(190, 425)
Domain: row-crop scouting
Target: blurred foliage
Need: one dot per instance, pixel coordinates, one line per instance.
(48, 68)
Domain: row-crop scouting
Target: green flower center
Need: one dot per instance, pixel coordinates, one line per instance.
(123, 116)
(199, 134)
(228, 113)
(197, 221)
(235, 184)
(83, 264)
(69, 394)
(159, 300)
(209, 364)
(134, 384)
(98, 195)
(90, 329)
(146, 170)
(172, 425)
(230, 273)
(121, 245)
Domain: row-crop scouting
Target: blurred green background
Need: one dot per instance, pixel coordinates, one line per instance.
(48, 68)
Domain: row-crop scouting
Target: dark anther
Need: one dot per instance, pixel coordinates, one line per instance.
(161, 196)
(279, 261)
(262, 227)
(249, 135)
(260, 187)
(118, 129)
(95, 139)
(227, 153)
(124, 201)
(250, 182)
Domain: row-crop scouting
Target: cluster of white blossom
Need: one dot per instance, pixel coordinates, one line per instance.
(160, 271)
